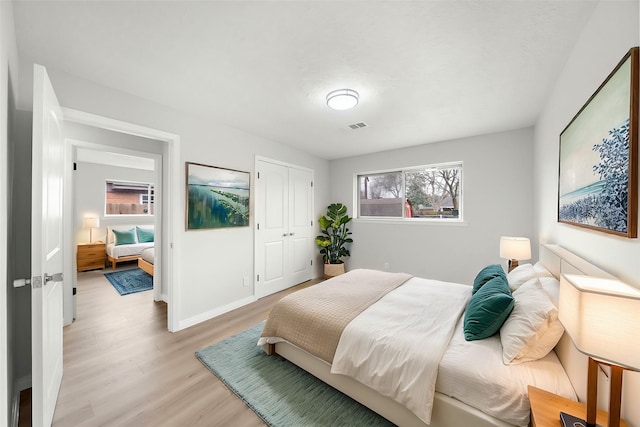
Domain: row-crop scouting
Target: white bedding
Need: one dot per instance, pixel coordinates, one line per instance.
(127, 250)
(148, 255)
(374, 347)
(474, 373)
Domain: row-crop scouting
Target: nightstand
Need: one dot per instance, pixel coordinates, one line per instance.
(91, 256)
(546, 407)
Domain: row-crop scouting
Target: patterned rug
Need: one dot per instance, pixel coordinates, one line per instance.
(130, 281)
(278, 391)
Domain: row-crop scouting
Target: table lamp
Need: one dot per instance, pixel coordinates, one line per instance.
(90, 223)
(514, 249)
(601, 317)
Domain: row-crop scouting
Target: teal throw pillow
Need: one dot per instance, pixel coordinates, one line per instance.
(145, 235)
(127, 237)
(488, 309)
(486, 274)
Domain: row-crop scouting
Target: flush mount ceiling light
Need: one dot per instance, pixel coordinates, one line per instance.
(342, 99)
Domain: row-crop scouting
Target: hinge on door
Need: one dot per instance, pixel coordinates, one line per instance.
(258, 278)
(258, 225)
(258, 175)
(311, 262)
(75, 166)
(311, 184)
(312, 223)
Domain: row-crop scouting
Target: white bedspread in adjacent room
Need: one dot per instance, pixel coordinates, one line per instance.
(127, 250)
(148, 255)
(395, 346)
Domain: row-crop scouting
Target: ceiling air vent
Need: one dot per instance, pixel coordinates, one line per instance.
(358, 125)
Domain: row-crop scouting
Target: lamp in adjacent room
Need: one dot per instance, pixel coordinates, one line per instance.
(514, 249)
(601, 317)
(342, 99)
(91, 223)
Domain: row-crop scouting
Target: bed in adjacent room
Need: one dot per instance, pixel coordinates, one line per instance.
(369, 334)
(126, 242)
(145, 262)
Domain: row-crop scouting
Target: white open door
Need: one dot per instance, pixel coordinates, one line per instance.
(46, 249)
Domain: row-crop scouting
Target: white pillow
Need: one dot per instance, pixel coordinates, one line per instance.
(519, 275)
(541, 270)
(532, 329)
(551, 286)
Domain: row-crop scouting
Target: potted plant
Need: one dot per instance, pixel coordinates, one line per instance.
(334, 237)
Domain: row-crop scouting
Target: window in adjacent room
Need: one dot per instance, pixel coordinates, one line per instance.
(432, 192)
(129, 198)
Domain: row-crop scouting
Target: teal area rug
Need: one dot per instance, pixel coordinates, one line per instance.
(130, 281)
(278, 391)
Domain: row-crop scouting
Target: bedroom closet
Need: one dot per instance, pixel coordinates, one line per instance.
(283, 226)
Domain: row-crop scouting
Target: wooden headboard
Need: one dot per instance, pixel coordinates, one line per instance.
(559, 260)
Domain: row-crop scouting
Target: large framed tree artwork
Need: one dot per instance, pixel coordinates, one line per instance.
(598, 183)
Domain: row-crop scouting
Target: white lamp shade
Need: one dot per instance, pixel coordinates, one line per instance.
(602, 317)
(515, 248)
(342, 99)
(91, 222)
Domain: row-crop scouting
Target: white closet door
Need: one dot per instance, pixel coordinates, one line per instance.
(300, 228)
(272, 231)
(284, 230)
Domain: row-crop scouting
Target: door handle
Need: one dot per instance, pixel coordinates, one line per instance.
(57, 277)
(291, 234)
(285, 235)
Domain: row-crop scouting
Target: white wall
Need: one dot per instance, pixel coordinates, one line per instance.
(212, 262)
(8, 99)
(497, 188)
(89, 179)
(611, 32)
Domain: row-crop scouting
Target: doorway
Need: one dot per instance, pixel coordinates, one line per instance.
(168, 248)
(120, 189)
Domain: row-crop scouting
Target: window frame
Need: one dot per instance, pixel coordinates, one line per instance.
(150, 193)
(460, 220)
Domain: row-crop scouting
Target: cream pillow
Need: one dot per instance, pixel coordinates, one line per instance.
(551, 286)
(519, 275)
(533, 328)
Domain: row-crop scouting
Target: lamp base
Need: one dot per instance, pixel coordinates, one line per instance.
(568, 420)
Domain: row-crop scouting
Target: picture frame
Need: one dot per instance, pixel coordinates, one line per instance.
(598, 167)
(216, 197)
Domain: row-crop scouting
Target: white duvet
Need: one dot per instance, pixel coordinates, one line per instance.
(374, 346)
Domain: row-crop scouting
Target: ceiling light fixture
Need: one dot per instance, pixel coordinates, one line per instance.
(342, 99)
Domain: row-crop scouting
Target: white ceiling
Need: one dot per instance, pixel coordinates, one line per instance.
(426, 70)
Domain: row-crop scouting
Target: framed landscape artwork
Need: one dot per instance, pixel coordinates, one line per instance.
(598, 182)
(216, 197)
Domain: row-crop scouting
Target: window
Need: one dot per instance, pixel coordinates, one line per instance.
(129, 198)
(417, 193)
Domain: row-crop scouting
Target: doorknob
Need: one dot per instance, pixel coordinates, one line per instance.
(57, 277)
(291, 234)
(285, 235)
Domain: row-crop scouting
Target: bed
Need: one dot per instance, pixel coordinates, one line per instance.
(466, 391)
(145, 262)
(126, 242)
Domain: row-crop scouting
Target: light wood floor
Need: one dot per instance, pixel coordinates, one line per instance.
(123, 368)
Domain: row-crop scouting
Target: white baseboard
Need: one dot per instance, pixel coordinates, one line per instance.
(15, 409)
(213, 313)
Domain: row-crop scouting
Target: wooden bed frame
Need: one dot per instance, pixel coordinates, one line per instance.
(449, 412)
(115, 261)
(145, 265)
